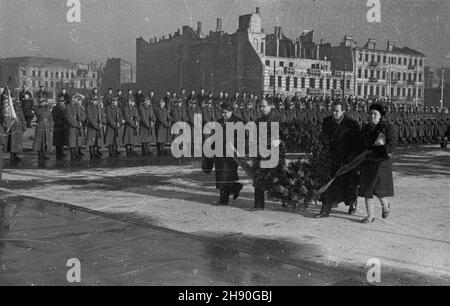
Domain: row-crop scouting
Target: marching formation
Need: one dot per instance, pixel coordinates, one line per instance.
(118, 120)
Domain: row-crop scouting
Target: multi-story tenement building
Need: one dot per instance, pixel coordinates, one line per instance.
(116, 73)
(247, 61)
(396, 74)
(49, 72)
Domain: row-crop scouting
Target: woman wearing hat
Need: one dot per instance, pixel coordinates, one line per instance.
(43, 138)
(376, 172)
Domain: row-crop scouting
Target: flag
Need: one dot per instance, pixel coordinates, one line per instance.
(12, 112)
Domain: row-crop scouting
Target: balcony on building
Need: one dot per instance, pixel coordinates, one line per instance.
(394, 81)
(314, 91)
(412, 67)
(374, 64)
(316, 72)
(373, 80)
(411, 82)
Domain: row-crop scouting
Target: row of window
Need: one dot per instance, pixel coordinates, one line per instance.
(52, 74)
(381, 75)
(51, 84)
(312, 83)
(402, 92)
(291, 64)
(392, 60)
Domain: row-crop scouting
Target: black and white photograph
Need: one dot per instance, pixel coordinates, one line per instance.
(224, 149)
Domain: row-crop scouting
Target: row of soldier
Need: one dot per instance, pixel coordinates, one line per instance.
(116, 120)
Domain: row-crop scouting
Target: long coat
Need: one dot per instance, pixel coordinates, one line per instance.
(94, 134)
(82, 117)
(43, 138)
(114, 128)
(162, 126)
(376, 171)
(14, 140)
(73, 125)
(59, 126)
(27, 107)
(130, 134)
(146, 130)
(344, 138)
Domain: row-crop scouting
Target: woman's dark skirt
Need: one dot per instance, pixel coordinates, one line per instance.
(377, 179)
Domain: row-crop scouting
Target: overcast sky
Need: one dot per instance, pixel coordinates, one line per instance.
(109, 28)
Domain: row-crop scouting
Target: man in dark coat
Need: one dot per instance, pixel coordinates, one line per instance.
(59, 125)
(107, 99)
(146, 127)
(73, 127)
(226, 168)
(26, 98)
(344, 137)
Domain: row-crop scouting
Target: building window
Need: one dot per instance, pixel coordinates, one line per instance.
(420, 77)
(267, 64)
(404, 76)
(51, 84)
(303, 83)
(365, 90)
(51, 74)
(378, 74)
(384, 74)
(281, 64)
(72, 75)
(321, 83)
(33, 83)
(366, 74)
(312, 83)
(46, 74)
(421, 63)
(379, 58)
(57, 74)
(67, 75)
(367, 57)
(377, 90)
(420, 93)
(34, 73)
(383, 91)
(334, 84)
(272, 81)
(371, 90)
(359, 90)
(290, 65)
(46, 84)
(360, 56)
(262, 47)
(398, 92)
(405, 61)
(328, 83)
(404, 92)
(348, 84)
(39, 73)
(372, 73)
(295, 82)
(409, 92)
(373, 57)
(359, 73)
(280, 81)
(384, 59)
(415, 77)
(24, 72)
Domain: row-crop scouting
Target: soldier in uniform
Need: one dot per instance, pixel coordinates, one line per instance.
(43, 135)
(122, 99)
(42, 94)
(146, 127)
(344, 136)
(73, 126)
(82, 116)
(59, 125)
(107, 100)
(139, 98)
(162, 127)
(114, 128)
(131, 133)
(14, 144)
(26, 98)
(94, 134)
(201, 97)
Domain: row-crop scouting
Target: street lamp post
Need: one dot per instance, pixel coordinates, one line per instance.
(442, 88)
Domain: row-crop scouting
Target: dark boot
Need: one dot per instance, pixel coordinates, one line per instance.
(237, 191)
(259, 199)
(325, 211)
(224, 198)
(116, 151)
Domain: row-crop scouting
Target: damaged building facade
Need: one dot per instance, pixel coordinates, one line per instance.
(248, 61)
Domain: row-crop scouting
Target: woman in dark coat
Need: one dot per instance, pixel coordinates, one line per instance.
(162, 126)
(131, 133)
(376, 172)
(146, 126)
(114, 128)
(59, 127)
(43, 135)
